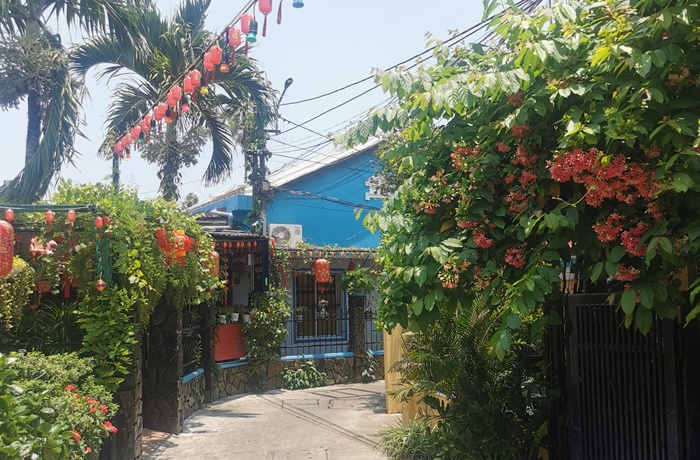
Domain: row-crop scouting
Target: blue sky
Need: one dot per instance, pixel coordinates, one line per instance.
(323, 46)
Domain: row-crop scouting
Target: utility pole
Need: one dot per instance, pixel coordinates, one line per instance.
(261, 187)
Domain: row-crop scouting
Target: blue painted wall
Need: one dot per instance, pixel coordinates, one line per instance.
(323, 221)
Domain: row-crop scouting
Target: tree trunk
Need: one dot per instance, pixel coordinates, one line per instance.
(170, 168)
(33, 126)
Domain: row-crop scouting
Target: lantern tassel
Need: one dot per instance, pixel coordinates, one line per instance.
(265, 26)
(66, 285)
(245, 51)
(233, 57)
(279, 13)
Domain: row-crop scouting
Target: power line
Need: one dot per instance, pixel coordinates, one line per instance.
(328, 198)
(470, 31)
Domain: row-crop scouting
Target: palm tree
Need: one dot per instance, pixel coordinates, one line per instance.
(169, 49)
(34, 65)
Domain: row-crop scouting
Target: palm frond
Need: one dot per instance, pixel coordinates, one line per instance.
(60, 126)
(221, 162)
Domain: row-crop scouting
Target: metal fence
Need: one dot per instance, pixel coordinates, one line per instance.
(192, 323)
(621, 388)
(320, 334)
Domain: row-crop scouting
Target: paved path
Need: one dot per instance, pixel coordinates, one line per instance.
(339, 422)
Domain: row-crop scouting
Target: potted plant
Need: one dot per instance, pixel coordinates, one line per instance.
(238, 310)
(357, 282)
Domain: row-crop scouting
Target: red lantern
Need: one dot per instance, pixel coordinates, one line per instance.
(196, 77)
(265, 7)
(208, 64)
(177, 91)
(234, 37)
(106, 221)
(182, 243)
(50, 217)
(187, 83)
(245, 22)
(216, 53)
(351, 266)
(7, 247)
(99, 222)
(170, 99)
(322, 270)
(9, 215)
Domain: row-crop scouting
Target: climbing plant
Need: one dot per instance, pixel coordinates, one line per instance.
(572, 139)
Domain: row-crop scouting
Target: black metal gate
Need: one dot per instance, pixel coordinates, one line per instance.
(623, 392)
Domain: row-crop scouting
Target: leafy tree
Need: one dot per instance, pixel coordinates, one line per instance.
(35, 65)
(573, 139)
(190, 200)
(170, 47)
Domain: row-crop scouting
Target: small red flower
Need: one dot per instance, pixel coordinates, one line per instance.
(70, 388)
(114, 430)
(104, 409)
(88, 450)
(76, 436)
(93, 410)
(108, 424)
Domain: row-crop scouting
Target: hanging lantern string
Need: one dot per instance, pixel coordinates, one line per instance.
(199, 60)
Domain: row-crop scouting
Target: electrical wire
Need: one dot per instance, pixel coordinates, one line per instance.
(470, 31)
(327, 198)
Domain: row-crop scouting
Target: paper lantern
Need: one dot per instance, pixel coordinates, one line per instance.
(265, 7)
(9, 215)
(298, 4)
(322, 270)
(245, 22)
(7, 247)
(208, 64)
(50, 215)
(234, 37)
(216, 53)
(196, 77)
(183, 243)
(188, 86)
(351, 266)
(177, 92)
(224, 68)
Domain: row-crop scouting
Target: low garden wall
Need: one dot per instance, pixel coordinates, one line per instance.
(231, 379)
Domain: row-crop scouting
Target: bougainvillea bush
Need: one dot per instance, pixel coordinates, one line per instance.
(571, 139)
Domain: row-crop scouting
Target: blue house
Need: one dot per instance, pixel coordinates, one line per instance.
(311, 215)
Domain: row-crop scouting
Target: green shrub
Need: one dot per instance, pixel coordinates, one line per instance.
(417, 441)
(303, 376)
(52, 408)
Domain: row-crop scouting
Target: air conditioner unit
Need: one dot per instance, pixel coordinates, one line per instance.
(286, 235)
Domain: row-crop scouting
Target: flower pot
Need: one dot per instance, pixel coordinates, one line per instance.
(246, 318)
(222, 319)
(234, 317)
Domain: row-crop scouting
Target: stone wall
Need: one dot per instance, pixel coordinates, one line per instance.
(231, 381)
(192, 396)
(163, 394)
(126, 443)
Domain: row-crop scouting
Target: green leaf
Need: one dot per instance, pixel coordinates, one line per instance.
(646, 296)
(597, 271)
(643, 320)
(628, 301)
(418, 307)
(682, 182)
(617, 253)
(513, 321)
(452, 243)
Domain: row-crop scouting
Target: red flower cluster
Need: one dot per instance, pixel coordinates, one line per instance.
(523, 158)
(481, 240)
(460, 155)
(520, 131)
(501, 147)
(632, 237)
(516, 100)
(516, 255)
(619, 179)
(610, 231)
(627, 274)
(112, 429)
